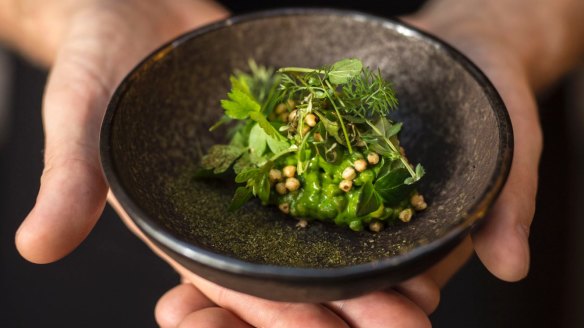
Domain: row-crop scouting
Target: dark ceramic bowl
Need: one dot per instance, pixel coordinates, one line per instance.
(156, 129)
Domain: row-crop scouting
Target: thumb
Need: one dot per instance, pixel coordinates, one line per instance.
(102, 43)
(502, 244)
(73, 190)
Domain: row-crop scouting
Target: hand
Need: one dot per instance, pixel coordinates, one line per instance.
(203, 304)
(520, 54)
(200, 303)
(91, 45)
(208, 305)
(72, 193)
(502, 243)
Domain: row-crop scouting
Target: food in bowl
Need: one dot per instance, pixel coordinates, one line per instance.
(319, 144)
(156, 127)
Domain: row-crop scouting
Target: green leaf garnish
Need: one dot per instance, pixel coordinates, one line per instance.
(242, 195)
(420, 172)
(262, 190)
(240, 103)
(331, 127)
(266, 125)
(277, 145)
(387, 128)
(344, 70)
(317, 119)
(392, 187)
(369, 200)
(368, 95)
(258, 140)
(247, 174)
(257, 182)
(220, 157)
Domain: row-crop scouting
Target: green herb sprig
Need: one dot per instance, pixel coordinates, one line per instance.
(351, 103)
(360, 98)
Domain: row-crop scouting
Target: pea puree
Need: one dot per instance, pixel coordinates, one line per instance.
(320, 197)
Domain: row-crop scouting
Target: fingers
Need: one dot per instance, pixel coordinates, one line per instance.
(422, 291)
(197, 13)
(264, 313)
(186, 307)
(502, 243)
(447, 267)
(73, 190)
(214, 317)
(381, 309)
(103, 41)
(176, 304)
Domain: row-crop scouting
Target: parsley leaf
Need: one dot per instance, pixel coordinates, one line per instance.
(240, 103)
(257, 140)
(266, 125)
(220, 157)
(257, 183)
(276, 145)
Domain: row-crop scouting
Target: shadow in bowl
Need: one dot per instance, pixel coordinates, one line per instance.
(156, 130)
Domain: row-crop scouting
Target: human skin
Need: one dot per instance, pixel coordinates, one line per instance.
(91, 44)
(523, 47)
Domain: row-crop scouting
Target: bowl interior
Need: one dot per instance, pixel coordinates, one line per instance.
(161, 115)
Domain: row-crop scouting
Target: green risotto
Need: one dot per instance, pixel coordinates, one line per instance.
(318, 143)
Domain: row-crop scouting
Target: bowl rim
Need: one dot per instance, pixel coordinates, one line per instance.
(176, 243)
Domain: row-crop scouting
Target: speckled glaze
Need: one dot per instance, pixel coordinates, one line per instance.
(156, 130)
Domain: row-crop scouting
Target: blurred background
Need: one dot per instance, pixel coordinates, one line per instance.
(114, 280)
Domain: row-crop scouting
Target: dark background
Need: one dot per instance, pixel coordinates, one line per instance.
(113, 280)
